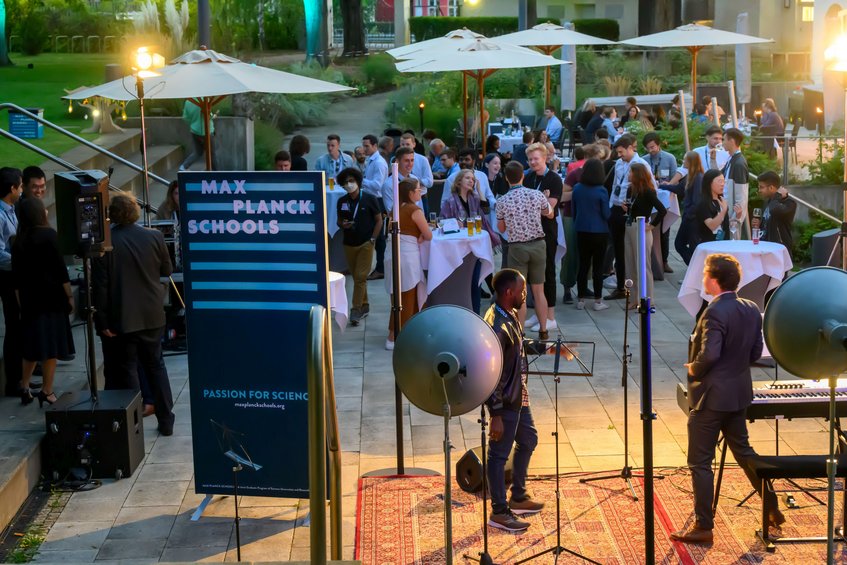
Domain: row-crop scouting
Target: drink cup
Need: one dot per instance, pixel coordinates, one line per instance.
(470, 224)
(331, 183)
(478, 224)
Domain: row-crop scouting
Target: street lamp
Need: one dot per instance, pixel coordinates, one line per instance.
(837, 53)
(421, 110)
(143, 64)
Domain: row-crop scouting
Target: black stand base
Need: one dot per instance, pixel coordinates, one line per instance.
(626, 474)
(558, 550)
(484, 558)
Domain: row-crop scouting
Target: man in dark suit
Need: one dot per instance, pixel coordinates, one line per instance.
(129, 307)
(726, 341)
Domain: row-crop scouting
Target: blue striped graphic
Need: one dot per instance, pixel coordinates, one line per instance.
(209, 207)
(249, 246)
(224, 266)
(232, 285)
(200, 305)
(257, 187)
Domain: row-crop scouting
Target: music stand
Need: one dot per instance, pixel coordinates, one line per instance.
(558, 347)
(225, 436)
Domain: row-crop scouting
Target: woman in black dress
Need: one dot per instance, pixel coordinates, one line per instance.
(299, 147)
(45, 297)
(712, 217)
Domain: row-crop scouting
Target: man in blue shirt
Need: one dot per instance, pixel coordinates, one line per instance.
(334, 161)
(663, 166)
(554, 126)
(11, 188)
(421, 169)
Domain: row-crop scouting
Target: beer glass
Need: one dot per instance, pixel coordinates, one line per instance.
(478, 223)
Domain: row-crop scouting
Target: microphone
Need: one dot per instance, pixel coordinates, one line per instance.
(628, 283)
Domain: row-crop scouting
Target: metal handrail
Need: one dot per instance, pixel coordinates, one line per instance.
(63, 163)
(323, 434)
(9, 106)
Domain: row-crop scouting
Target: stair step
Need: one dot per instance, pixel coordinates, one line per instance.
(161, 160)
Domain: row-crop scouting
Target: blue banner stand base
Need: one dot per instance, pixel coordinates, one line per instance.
(200, 509)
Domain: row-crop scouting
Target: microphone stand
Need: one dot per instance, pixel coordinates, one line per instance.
(626, 472)
(484, 557)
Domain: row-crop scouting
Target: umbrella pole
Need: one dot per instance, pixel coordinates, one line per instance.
(145, 179)
(548, 80)
(465, 108)
(684, 113)
(206, 107)
(694, 51)
(480, 80)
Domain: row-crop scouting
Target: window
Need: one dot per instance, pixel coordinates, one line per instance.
(614, 11)
(557, 12)
(584, 11)
(808, 14)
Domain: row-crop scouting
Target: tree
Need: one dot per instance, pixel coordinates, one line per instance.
(354, 28)
(4, 53)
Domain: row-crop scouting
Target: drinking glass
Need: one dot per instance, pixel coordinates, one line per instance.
(757, 212)
(733, 228)
(470, 227)
(432, 218)
(478, 224)
(331, 183)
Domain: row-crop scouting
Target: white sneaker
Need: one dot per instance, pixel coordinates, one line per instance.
(600, 306)
(579, 306)
(533, 321)
(551, 325)
(611, 282)
(389, 345)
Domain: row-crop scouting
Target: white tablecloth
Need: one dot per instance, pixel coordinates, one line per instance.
(332, 197)
(507, 143)
(766, 258)
(338, 299)
(671, 202)
(445, 253)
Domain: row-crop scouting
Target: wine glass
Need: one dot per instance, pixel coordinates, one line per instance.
(733, 228)
(757, 212)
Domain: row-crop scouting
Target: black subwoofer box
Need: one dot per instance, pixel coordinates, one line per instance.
(469, 470)
(105, 439)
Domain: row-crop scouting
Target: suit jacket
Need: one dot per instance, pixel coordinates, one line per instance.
(726, 341)
(128, 295)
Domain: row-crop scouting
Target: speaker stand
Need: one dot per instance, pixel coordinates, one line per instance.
(448, 499)
(484, 558)
(89, 327)
(235, 470)
(557, 549)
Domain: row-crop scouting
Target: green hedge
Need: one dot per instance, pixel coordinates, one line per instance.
(429, 27)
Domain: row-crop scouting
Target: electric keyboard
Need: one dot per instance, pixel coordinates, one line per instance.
(786, 399)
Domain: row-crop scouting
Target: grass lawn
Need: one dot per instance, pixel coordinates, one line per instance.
(43, 87)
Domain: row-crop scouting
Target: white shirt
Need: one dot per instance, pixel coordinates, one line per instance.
(388, 191)
(620, 187)
(721, 156)
(483, 185)
(422, 171)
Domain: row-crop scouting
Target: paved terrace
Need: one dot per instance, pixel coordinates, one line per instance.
(145, 518)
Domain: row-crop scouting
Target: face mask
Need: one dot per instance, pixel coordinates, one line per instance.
(351, 187)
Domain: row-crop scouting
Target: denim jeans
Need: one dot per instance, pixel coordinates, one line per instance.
(519, 429)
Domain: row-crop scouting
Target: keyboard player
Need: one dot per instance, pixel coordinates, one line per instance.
(726, 341)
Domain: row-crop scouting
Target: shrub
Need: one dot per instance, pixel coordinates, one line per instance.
(33, 31)
(380, 72)
(617, 85)
(607, 29)
(827, 171)
(282, 27)
(804, 232)
(267, 141)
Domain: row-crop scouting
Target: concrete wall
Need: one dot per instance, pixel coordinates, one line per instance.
(828, 198)
(768, 18)
(233, 140)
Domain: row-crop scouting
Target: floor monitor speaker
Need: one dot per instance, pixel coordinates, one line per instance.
(469, 470)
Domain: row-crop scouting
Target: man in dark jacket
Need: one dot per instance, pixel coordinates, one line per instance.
(778, 213)
(511, 418)
(129, 306)
(726, 341)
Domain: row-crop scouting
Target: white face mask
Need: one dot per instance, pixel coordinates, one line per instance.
(351, 187)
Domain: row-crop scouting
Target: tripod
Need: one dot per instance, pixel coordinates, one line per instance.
(558, 549)
(484, 558)
(626, 472)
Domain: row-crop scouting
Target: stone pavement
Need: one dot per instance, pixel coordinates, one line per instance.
(145, 518)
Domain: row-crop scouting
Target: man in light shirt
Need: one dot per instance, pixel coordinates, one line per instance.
(405, 159)
(421, 170)
(554, 125)
(11, 188)
(333, 161)
(712, 155)
(663, 166)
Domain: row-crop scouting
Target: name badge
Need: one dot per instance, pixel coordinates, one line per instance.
(664, 173)
(345, 207)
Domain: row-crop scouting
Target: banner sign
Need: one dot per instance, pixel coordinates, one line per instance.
(254, 254)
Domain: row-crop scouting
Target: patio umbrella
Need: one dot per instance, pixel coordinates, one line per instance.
(694, 37)
(478, 60)
(547, 38)
(205, 78)
(451, 41)
(743, 75)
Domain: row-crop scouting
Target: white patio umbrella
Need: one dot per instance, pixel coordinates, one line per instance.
(478, 60)
(547, 38)
(694, 37)
(452, 41)
(205, 78)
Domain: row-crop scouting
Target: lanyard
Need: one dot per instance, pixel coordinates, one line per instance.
(506, 315)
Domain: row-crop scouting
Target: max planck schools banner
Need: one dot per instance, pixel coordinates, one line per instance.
(254, 251)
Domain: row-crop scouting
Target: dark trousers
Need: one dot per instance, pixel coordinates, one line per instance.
(551, 241)
(518, 430)
(125, 353)
(12, 361)
(592, 247)
(476, 294)
(704, 426)
(198, 144)
(684, 241)
(379, 244)
(425, 206)
(665, 241)
(617, 230)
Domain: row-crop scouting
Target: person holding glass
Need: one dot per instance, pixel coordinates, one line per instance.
(687, 185)
(467, 200)
(641, 200)
(414, 230)
(713, 222)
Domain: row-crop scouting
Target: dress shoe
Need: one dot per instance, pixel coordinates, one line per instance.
(375, 276)
(616, 294)
(694, 534)
(166, 430)
(667, 268)
(355, 316)
(149, 410)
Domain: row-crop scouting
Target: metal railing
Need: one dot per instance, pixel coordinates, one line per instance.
(323, 437)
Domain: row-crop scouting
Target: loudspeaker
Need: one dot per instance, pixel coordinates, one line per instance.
(469, 470)
(82, 201)
(105, 439)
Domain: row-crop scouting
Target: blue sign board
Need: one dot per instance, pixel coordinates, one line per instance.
(254, 254)
(24, 126)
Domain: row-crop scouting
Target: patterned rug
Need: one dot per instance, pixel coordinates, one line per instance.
(400, 521)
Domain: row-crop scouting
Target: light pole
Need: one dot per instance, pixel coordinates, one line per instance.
(421, 110)
(143, 63)
(838, 54)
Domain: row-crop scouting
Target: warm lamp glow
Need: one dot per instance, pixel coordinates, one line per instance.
(421, 105)
(472, 2)
(757, 113)
(819, 110)
(70, 106)
(838, 50)
(95, 113)
(143, 59)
